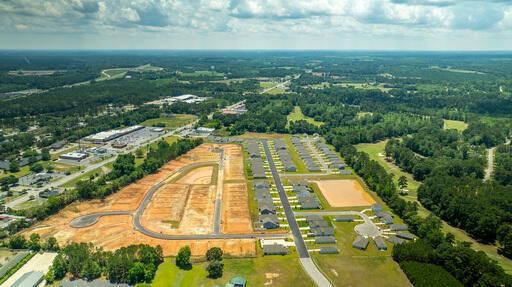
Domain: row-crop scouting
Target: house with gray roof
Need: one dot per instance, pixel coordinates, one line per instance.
(360, 242)
(266, 207)
(394, 240)
(380, 244)
(275, 249)
(318, 223)
(261, 183)
(329, 250)
(398, 227)
(344, 218)
(322, 231)
(325, 240)
(310, 218)
(405, 235)
(269, 221)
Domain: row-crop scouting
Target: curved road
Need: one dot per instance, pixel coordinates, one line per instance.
(90, 219)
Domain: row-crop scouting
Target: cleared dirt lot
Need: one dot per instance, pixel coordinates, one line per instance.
(184, 205)
(235, 209)
(344, 193)
(234, 164)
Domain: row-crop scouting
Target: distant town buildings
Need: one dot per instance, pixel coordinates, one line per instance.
(189, 99)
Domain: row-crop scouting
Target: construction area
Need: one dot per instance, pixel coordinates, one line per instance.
(199, 199)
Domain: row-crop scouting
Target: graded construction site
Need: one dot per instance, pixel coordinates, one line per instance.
(200, 199)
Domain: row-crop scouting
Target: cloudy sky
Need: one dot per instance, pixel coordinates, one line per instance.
(257, 24)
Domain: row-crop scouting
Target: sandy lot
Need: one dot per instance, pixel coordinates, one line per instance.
(234, 163)
(236, 216)
(182, 207)
(344, 192)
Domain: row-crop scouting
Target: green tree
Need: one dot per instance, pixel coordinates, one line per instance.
(76, 254)
(45, 154)
(36, 167)
(50, 276)
(52, 244)
(34, 242)
(139, 153)
(214, 253)
(17, 242)
(14, 166)
(504, 236)
(183, 258)
(136, 274)
(59, 267)
(90, 270)
(402, 182)
(215, 269)
(86, 189)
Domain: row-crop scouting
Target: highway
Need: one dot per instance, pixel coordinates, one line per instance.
(300, 245)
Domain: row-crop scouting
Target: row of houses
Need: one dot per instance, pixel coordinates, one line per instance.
(268, 215)
(306, 198)
(334, 161)
(311, 165)
(323, 233)
(284, 155)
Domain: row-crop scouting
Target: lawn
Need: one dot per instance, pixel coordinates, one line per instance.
(353, 267)
(260, 271)
(170, 122)
(297, 115)
(458, 125)
(275, 91)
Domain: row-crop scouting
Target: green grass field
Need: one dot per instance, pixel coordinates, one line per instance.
(171, 122)
(259, 271)
(458, 125)
(297, 115)
(353, 267)
(374, 149)
(276, 91)
(363, 86)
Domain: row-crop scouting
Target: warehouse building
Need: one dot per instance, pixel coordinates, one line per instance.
(29, 279)
(106, 136)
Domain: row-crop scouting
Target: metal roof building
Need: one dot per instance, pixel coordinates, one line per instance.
(360, 242)
(329, 250)
(380, 244)
(29, 279)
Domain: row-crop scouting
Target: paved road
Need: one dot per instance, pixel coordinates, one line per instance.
(306, 261)
(218, 196)
(312, 148)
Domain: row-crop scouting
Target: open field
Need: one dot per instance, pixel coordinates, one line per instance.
(344, 193)
(297, 115)
(373, 151)
(259, 271)
(170, 122)
(184, 205)
(354, 267)
(458, 125)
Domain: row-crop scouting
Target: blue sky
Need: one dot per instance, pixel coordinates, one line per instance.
(257, 24)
